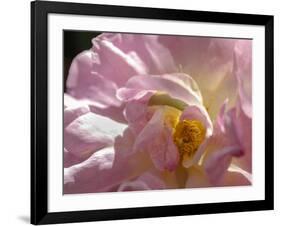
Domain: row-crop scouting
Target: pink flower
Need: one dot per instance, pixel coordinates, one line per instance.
(153, 112)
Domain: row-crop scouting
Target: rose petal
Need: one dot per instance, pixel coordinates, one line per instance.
(175, 179)
(69, 159)
(217, 163)
(222, 146)
(238, 176)
(90, 132)
(179, 86)
(237, 130)
(93, 89)
(197, 178)
(73, 109)
(243, 73)
(210, 62)
(146, 181)
(136, 103)
(243, 129)
(95, 74)
(80, 70)
(235, 179)
(127, 55)
(156, 138)
(104, 170)
(125, 142)
(234, 176)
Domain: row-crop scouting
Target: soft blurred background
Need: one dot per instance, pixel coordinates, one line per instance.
(74, 42)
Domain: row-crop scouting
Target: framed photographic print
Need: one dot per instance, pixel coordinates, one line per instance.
(144, 112)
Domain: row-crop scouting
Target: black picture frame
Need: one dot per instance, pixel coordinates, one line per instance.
(39, 112)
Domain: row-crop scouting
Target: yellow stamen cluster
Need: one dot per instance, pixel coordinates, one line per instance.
(188, 136)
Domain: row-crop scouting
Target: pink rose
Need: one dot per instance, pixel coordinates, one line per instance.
(153, 112)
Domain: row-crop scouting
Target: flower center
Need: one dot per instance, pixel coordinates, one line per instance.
(188, 135)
